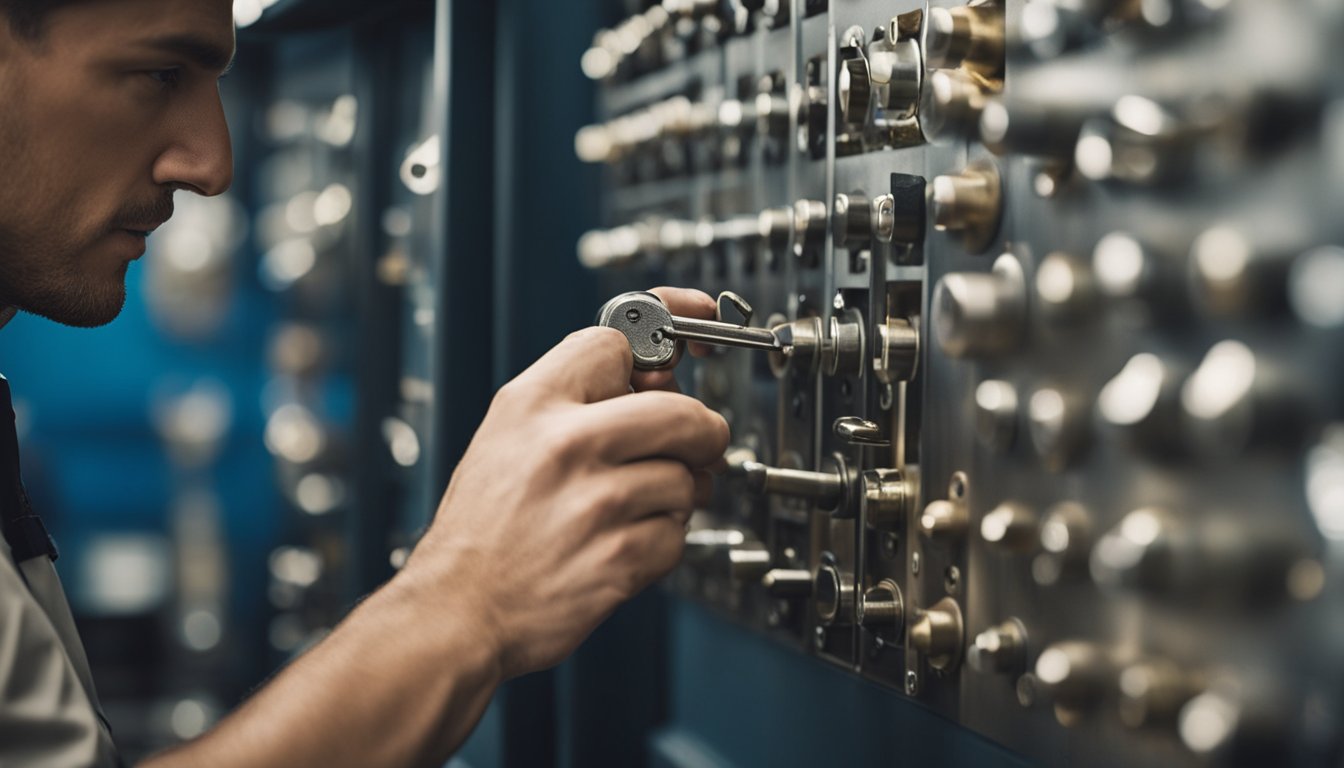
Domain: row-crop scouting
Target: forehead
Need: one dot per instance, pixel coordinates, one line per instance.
(126, 25)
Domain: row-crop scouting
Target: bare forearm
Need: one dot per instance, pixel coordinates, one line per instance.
(400, 683)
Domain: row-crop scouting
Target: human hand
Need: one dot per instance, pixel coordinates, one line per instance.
(683, 302)
(572, 497)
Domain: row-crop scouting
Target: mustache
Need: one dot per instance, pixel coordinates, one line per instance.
(154, 211)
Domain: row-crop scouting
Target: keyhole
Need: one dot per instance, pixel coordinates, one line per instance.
(657, 337)
(632, 315)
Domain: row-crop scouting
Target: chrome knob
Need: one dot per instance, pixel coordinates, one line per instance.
(854, 222)
(969, 36)
(976, 314)
(809, 226)
(1058, 425)
(1022, 127)
(1011, 527)
(970, 204)
(833, 592)
(937, 633)
(1143, 402)
(943, 520)
(1078, 676)
(996, 414)
(952, 103)
(998, 649)
(1152, 692)
(1063, 288)
(896, 357)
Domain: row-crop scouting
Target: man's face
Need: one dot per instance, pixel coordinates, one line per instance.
(101, 119)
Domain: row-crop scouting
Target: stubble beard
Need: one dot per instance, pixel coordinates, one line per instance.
(40, 261)
(46, 281)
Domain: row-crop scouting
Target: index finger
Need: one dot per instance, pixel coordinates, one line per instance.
(656, 424)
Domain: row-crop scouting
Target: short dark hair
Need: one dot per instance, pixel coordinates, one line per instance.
(26, 17)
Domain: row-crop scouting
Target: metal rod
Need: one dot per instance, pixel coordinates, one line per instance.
(724, 334)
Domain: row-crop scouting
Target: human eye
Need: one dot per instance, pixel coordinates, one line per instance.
(168, 77)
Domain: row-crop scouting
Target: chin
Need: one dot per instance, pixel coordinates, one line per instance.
(88, 308)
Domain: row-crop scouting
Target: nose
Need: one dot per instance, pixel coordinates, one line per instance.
(199, 155)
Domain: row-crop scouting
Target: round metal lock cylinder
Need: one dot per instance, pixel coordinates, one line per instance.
(1010, 527)
(1142, 401)
(1137, 553)
(854, 224)
(775, 226)
(970, 36)
(1152, 692)
(969, 203)
(976, 314)
(1057, 425)
(833, 592)
(844, 350)
(888, 498)
(1077, 675)
(943, 519)
(1230, 275)
(996, 414)
(809, 226)
(1066, 541)
(1236, 402)
(1140, 277)
(1064, 290)
(882, 607)
(1024, 125)
(951, 103)
(803, 339)
(998, 649)
(896, 357)
(937, 634)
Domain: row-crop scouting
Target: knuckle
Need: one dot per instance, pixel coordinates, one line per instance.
(512, 394)
(563, 442)
(614, 499)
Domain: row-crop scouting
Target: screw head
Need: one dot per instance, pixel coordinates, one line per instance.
(889, 544)
(911, 683)
(819, 637)
(952, 579)
(1026, 690)
(914, 563)
(887, 397)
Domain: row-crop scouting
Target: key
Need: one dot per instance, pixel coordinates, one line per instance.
(654, 332)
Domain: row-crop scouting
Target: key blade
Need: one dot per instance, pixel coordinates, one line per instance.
(723, 334)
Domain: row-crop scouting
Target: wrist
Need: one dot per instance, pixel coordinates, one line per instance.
(459, 628)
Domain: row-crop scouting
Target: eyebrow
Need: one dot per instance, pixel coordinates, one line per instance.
(201, 51)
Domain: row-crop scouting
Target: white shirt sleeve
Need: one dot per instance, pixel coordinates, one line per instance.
(47, 717)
